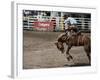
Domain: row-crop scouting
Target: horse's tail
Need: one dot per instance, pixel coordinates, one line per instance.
(87, 44)
(88, 49)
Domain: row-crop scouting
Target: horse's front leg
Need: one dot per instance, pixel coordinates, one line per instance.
(67, 53)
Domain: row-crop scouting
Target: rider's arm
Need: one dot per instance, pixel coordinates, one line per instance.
(67, 21)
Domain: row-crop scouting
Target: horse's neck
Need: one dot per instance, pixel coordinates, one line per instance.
(62, 38)
(61, 41)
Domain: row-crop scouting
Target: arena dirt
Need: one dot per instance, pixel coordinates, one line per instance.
(39, 51)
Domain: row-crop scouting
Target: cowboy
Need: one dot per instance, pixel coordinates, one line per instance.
(70, 25)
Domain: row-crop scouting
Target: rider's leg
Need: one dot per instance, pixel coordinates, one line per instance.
(77, 30)
(66, 29)
(68, 33)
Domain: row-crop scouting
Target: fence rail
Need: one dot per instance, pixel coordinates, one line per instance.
(83, 23)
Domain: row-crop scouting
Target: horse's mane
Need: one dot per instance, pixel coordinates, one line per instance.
(62, 34)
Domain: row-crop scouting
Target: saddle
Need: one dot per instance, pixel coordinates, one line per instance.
(73, 34)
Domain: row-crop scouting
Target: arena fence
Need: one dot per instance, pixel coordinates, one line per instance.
(53, 24)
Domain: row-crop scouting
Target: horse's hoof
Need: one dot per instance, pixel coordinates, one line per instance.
(68, 58)
(71, 57)
(62, 51)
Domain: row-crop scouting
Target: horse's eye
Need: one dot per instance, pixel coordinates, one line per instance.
(64, 38)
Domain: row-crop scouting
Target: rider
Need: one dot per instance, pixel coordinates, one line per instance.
(70, 25)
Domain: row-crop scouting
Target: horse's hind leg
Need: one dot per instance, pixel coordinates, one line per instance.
(88, 52)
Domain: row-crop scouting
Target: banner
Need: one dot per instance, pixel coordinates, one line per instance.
(45, 26)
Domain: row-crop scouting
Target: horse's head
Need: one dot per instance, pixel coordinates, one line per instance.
(60, 46)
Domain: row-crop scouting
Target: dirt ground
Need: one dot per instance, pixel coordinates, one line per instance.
(39, 51)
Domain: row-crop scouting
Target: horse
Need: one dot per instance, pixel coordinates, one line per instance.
(74, 40)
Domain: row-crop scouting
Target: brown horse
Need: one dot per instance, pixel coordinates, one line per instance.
(74, 40)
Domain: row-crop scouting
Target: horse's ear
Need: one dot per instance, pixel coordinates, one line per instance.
(55, 43)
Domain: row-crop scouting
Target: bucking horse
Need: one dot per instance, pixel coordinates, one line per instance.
(74, 40)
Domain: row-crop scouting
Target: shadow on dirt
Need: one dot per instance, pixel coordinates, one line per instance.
(77, 65)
